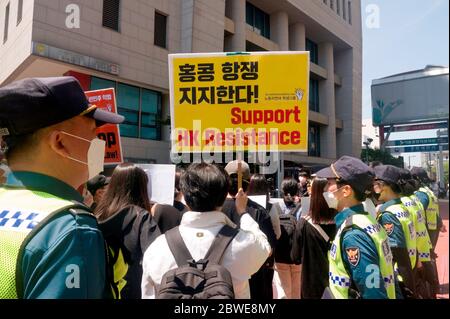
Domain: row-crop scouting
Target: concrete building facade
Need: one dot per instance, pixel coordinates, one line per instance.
(124, 44)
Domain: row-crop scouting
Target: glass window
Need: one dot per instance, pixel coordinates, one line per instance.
(128, 106)
(314, 95)
(313, 49)
(111, 12)
(350, 12)
(160, 30)
(98, 84)
(19, 11)
(332, 4)
(5, 30)
(258, 20)
(344, 10)
(338, 7)
(314, 140)
(150, 113)
(133, 102)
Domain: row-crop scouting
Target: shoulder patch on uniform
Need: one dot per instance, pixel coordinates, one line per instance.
(353, 255)
(389, 228)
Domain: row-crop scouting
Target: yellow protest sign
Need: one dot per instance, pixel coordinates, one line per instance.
(239, 101)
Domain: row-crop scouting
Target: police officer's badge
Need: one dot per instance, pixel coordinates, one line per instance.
(353, 255)
(389, 228)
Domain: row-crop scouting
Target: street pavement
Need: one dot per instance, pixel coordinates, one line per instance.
(442, 251)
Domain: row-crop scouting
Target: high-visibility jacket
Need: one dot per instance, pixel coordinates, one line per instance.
(339, 278)
(22, 214)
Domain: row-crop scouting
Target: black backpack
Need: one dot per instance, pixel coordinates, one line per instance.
(288, 223)
(203, 279)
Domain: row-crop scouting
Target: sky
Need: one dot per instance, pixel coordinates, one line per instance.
(411, 35)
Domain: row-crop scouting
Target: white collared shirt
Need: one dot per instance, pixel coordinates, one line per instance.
(246, 254)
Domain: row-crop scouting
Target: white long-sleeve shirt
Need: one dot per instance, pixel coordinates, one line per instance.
(243, 257)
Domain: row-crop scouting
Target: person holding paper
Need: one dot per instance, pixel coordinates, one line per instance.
(261, 281)
(313, 234)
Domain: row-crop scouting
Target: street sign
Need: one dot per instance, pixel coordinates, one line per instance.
(417, 127)
(419, 141)
(418, 149)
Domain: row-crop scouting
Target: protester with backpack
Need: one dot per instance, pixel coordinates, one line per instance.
(287, 272)
(166, 273)
(261, 281)
(313, 235)
(128, 228)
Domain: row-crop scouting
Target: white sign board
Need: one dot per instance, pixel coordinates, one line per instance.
(370, 207)
(161, 182)
(259, 199)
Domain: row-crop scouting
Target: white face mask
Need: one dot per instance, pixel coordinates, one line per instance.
(332, 201)
(95, 155)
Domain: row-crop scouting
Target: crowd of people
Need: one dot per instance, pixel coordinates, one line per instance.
(111, 241)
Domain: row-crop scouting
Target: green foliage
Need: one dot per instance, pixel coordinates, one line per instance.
(383, 156)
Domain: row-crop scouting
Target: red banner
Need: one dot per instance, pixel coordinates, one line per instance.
(110, 133)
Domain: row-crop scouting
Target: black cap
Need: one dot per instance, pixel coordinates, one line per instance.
(31, 104)
(96, 183)
(405, 174)
(420, 173)
(350, 170)
(387, 173)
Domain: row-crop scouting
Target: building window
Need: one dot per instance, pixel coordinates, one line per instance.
(332, 4)
(313, 49)
(19, 11)
(314, 140)
(338, 7)
(344, 10)
(314, 95)
(160, 30)
(325, 1)
(5, 30)
(350, 12)
(141, 108)
(111, 12)
(258, 20)
(150, 110)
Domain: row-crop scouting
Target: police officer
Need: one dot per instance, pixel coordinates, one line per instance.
(399, 225)
(433, 219)
(51, 246)
(360, 258)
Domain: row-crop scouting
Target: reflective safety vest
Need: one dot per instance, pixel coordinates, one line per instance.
(339, 278)
(22, 214)
(415, 208)
(433, 208)
(406, 220)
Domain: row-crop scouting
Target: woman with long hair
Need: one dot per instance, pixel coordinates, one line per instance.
(128, 227)
(313, 233)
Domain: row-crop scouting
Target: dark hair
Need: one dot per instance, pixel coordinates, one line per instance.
(395, 187)
(205, 187)
(128, 186)
(407, 187)
(258, 185)
(318, 209)
(289, 186)
(233, 184)
(178, 173)
(359, 196)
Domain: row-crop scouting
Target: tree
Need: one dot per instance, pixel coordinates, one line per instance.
(383, 156)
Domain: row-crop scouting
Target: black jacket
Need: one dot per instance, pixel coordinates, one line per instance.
(132, 230)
